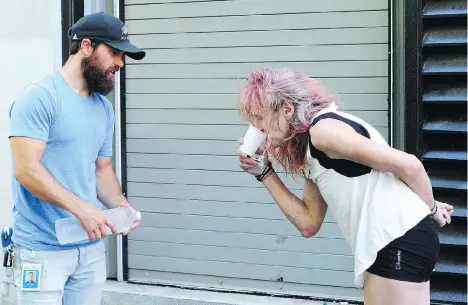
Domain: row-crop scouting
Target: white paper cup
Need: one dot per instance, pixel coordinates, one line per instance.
(253, 139)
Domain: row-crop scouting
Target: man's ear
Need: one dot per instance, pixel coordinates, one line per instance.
(86, 47)
(288, 110)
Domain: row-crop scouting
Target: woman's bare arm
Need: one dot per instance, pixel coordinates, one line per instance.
(306, 214)
(340, 141)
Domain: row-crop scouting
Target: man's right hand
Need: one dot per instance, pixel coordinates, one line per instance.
(27, 154)
(94, 221)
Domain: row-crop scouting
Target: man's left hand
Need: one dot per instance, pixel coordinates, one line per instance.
(137, 222)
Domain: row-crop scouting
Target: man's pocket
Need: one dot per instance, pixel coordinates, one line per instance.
(40, 276)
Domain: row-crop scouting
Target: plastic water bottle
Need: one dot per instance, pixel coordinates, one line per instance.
(69, 230)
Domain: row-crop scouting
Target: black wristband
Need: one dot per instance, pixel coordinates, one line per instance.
(267, 170)
(436, 208)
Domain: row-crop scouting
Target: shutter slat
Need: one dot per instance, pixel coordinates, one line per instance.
(453, 235)
(445, 9)
(445, 154)
(455, 93)
(443, 183)
(449, 125)
(452, 266)
(448, 295)
(445, 36)
(447, 178)
(445, 65)
(452, 261)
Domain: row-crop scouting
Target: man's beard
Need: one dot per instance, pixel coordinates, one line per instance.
(96, 78)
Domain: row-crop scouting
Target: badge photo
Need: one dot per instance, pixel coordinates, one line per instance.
(31, 277)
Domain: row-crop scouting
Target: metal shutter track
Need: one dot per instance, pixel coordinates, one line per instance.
(444, 137)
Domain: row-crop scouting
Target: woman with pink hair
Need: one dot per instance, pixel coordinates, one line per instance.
(380, 197)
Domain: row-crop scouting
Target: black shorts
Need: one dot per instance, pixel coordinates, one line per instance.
(410, 258)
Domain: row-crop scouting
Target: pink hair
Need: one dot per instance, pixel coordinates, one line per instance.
(264, 95)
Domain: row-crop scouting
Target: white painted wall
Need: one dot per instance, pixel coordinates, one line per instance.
(30, 48)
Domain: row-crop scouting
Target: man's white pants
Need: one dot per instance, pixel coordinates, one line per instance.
(69, 277)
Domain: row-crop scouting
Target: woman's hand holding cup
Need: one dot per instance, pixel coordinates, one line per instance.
(253, 165)
(252, 154)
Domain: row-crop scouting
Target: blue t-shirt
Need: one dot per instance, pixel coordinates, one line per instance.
(76, 130)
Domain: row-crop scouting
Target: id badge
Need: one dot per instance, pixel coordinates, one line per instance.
(31, 277)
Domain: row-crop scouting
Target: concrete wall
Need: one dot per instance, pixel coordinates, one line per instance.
(30, 48)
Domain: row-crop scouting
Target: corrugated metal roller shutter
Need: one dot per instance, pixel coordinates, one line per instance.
(444, 133)
(206, 222)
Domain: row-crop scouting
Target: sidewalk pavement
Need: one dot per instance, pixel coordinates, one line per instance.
(122, 293)
(118, 293)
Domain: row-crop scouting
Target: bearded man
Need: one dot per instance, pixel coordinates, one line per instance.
(61, 137)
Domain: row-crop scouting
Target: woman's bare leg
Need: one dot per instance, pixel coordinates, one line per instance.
(426, 295)
(383, 291)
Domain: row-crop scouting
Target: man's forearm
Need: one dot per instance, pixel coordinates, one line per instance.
(36, 179)
(108, 188)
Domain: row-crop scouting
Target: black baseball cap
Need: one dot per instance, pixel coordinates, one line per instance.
(108, 29)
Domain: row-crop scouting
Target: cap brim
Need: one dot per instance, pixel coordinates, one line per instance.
(129, 49)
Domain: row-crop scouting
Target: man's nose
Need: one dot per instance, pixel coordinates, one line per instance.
(119, 61)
